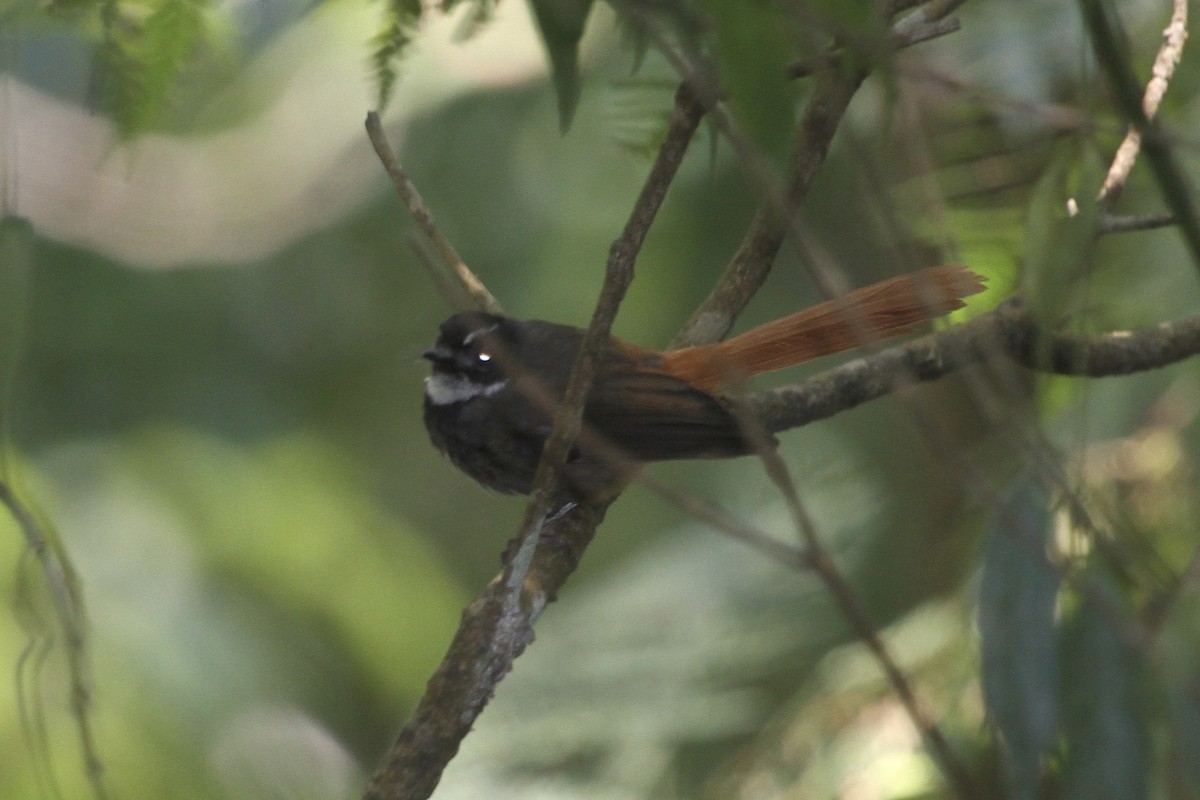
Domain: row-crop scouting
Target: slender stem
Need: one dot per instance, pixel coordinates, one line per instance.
(458, 270)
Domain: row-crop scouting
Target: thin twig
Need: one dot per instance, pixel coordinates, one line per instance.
(62, 587)
(1165, 63)
(819, 560)
(851, 607)
(771, 225)
(618, 276)
(729, 524)
(775, 222)
(1106, 38)
(816, 558)
(458, 269)
(57, 583)
(1113, 223)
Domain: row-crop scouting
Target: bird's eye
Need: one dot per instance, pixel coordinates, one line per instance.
(484, 357)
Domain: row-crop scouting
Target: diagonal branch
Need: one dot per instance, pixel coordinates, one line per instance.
(498, 625)
(1103, 29)
(1168, 58)
(459, 273)
(618, 277)
(774, 222)
(819, 560)
(769, 228)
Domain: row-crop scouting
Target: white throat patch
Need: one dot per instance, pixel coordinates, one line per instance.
(443, 390)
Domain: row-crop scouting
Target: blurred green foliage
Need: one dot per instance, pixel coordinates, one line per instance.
(273, 558)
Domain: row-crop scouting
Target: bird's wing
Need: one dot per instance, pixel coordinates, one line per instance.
(654, 416)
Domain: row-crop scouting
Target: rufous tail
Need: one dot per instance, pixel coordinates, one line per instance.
(866, 315)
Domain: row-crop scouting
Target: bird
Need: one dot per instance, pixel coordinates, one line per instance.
(495, 383)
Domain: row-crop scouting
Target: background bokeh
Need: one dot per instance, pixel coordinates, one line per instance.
(218, 408)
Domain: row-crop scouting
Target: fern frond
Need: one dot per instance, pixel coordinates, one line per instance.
(401, 19)
(140, 59)
(638, 111)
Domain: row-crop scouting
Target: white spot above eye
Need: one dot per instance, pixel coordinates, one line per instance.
(443, 390)
(485, 357)
(473, 335)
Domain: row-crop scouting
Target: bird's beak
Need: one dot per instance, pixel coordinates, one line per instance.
(438, 355)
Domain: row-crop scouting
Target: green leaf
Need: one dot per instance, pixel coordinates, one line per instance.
(1107, 746)
(140, 60)
(561, 23)
(1019, 643)
(640, 114)
(681, 23)
(753, 50)
(1058, 244)
(635, 39)
(170, 36)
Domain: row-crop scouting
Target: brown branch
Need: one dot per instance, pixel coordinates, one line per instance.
(496, 629)
(618, 276)
(498, 625)
(774, 223)
(568, 420)
(459, 273)
(769, 228)
(1008, 331)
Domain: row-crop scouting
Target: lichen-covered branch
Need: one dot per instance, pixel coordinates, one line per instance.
(1009, 331)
